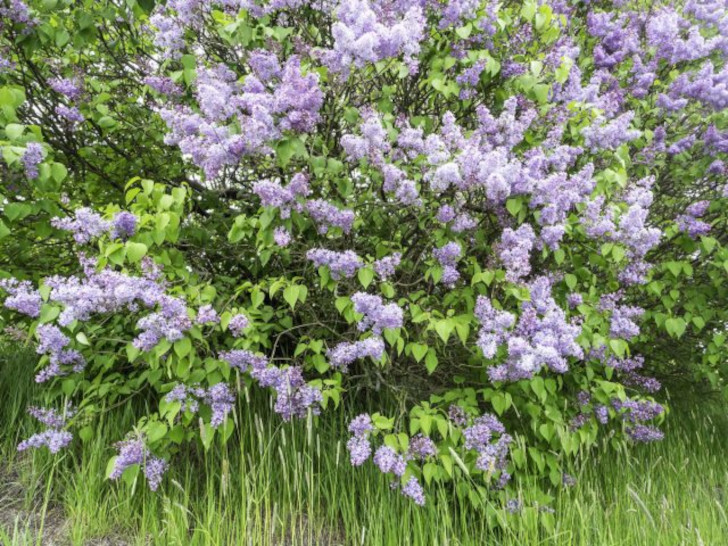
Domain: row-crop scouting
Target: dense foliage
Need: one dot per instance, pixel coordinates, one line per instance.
(500, 215)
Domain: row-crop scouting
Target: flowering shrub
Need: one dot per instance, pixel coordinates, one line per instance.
(499, 212)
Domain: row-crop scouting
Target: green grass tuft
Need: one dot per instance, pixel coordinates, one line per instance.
(291, 483)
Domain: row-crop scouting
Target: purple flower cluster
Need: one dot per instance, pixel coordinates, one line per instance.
(282, 237)
(294, 396)
(272, 194)
(542, 336)
(421, 447)
(207, 315)
(70, 113)
(514, 250)
(385, 267)
(359, 445)
(495, 326)
(32, 157)
(237, 324)
(345, 353)
(68, 87)
(123, 226)
(241, 119)
(85, 225)
(388, 460)
(54, 437)
(219, 398)
(169, 322)
(623, 323)
(108, 291)
(133, 451)
(18, 12)
(365, 36)
(377, 315)
(690, 223)
(22, 297)
(342, 264)
(492, 452)
(163, 85)
(413, 489)
(221, 401)
(52, 342)
(327, 215)
(448, 256)
(635, 413)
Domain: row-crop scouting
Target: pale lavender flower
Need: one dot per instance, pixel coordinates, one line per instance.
(207, 315)
(123, 226)
(22, 297)
(237, 324)
(413, 490)
(387, 460)
(32, 157)
(282, 237)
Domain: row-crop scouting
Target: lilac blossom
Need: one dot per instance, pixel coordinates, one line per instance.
(132, 452)
(361, 37)
(690, 223)
(54, 437)
(346, 353)
(32, 157)
(448, 256)
(359, 445)
(388, 460)
(237, 324)
(85, 225)
(207, 315)
(70, 113)
(514, 250)
(341, 264)
(281, 237)
(385, 267)
(22, 297)
(123, 225)
(327, 216)
(421, 447)
(413, 490)
(69, 87)
(377, 315)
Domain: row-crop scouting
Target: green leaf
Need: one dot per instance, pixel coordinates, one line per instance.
(499, 403)
(675, 326)
(618, 346)
(365, 276)
(182, 347)
(290, 294)
(59, 172)
(429, 471)
(17, 211)
(431, 361)
(514, 206)
(155, 431)
(14, 130)
(419, 350)
(444, 328)
(135, 251)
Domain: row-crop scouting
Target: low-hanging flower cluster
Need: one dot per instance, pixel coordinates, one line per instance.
(294, 397)
(132, 452)
(55, 437)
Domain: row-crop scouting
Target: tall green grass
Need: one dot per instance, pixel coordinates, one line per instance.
(291, 483)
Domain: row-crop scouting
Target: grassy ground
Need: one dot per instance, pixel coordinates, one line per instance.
(292, 484)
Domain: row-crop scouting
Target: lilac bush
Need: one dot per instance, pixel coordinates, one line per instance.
(488, 210)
